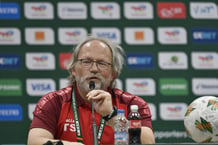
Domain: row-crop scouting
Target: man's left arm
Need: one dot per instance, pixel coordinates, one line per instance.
(147, 135)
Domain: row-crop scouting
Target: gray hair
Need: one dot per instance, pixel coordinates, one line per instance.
(117, 58)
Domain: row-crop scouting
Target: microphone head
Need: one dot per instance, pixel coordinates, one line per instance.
(91, 85)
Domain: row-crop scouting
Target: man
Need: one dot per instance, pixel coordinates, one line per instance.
(65, 115)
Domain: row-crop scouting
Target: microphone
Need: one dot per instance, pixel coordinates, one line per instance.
(91, 85)
(94, 127)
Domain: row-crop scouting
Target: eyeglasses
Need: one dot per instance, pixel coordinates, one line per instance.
(88, 63)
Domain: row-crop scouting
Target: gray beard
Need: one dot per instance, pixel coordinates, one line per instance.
(83, 83)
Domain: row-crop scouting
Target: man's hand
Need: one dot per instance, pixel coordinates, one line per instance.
(39, 136)
(102, 101)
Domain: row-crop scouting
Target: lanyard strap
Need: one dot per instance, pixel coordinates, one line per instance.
(77, 122)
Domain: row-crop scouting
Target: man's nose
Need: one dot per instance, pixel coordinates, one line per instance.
(94, 67)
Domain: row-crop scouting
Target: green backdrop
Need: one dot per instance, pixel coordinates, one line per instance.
(15, 132)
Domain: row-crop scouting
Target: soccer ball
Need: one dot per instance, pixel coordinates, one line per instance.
(201, 119)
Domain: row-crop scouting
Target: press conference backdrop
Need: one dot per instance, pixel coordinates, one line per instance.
(171, 55)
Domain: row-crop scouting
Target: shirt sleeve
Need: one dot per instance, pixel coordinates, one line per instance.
(46, 113)
(129, 99)
(144, 111)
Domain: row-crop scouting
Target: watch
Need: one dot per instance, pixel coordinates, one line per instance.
(111, 115)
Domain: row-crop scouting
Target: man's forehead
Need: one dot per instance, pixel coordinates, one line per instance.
(95, 42)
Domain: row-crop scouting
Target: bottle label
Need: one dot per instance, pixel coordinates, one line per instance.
(134, 123)
(121, 136)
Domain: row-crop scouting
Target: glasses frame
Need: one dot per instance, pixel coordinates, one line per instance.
(97, 62)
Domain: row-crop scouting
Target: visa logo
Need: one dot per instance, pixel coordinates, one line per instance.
(140, 61)
(41, 87)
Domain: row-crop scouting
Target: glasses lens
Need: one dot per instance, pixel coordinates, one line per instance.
(101, 65)
(86, 63)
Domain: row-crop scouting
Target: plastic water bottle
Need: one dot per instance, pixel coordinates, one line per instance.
(134, 125)
(121, 129)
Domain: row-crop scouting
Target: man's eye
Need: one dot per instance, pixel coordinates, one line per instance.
(102, 63)
(86, 61)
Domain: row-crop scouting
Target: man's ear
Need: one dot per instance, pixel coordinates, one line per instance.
(72, 70)
(114, 75)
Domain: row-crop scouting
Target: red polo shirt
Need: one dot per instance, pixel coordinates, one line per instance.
(54, 113)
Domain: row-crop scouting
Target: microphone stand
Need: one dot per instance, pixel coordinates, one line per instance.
(94, 127)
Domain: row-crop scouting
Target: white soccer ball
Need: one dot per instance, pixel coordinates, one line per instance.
(201, 119)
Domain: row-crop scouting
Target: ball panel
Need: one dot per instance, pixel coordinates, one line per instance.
(201, 119)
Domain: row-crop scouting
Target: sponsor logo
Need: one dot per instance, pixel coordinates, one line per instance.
(141, 86)
(10, 36)
(172, 111)
(171, 10)
(10, 87)
(39, 36)
(153, 111)
(31, 108)
(69, 125)
(204, 35)
(172, 35)
(140, 61)
(72, 10)
(203, 10)
(173, 86)
(64, 59)
(205, 86)
(9, 11)
(40, 61)
(11, 112)
(39, 87)
(138, 10)
(134, 123)
(109, 33)
(71, 35)
(37, 10)
(204, 60)
(170, 134)
(10, 61)
(105, 10)
(139, 36)
(172, 60)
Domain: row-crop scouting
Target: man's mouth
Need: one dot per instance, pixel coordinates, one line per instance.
(93, 78)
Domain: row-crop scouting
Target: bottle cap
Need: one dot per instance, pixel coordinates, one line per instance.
(120, 111)
(134, 108)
